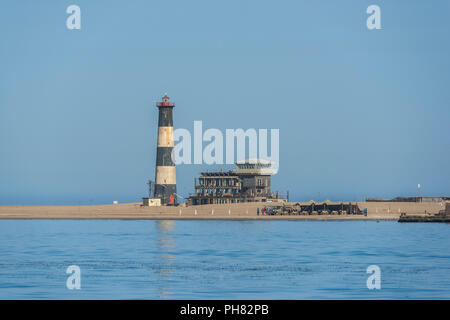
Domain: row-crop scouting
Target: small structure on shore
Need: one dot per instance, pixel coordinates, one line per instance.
(249, 182)
(442, 216)
(151, 202)
(410, 199)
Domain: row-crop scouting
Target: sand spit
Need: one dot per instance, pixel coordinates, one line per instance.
(239, 211)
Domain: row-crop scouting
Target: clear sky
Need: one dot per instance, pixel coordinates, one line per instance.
(361, 113)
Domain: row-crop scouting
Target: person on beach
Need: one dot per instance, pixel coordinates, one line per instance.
(257, 211)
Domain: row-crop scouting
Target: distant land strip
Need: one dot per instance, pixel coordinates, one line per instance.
(237, 211)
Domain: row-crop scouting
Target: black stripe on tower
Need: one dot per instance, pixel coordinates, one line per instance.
(164, 156)
(165, 117)
(164, 191)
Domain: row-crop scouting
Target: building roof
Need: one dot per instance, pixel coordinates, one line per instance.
(254, 160)
(255, 166)
(218, 173)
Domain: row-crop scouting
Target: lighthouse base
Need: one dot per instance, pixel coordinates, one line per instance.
(167, 193)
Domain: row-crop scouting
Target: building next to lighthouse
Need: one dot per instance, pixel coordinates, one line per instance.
(165, 172)
(249, 182)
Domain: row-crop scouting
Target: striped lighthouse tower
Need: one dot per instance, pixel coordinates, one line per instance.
(165, 175)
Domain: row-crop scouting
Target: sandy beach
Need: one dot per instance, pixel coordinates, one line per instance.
(240, 211)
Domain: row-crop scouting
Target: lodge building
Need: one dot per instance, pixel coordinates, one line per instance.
(249, 182)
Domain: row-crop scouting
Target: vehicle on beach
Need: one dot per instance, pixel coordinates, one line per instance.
(280, 210)
(313, 209)
(272, 210)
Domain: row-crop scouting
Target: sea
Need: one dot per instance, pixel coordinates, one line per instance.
(211, 259)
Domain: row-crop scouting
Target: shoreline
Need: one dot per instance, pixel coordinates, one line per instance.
(221, 218)
(382, 211)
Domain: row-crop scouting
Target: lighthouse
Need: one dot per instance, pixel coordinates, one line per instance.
(165, 175)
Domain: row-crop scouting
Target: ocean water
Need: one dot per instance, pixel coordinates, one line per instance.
(149, 259)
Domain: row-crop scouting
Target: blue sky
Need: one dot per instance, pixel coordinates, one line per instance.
(361, 113)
